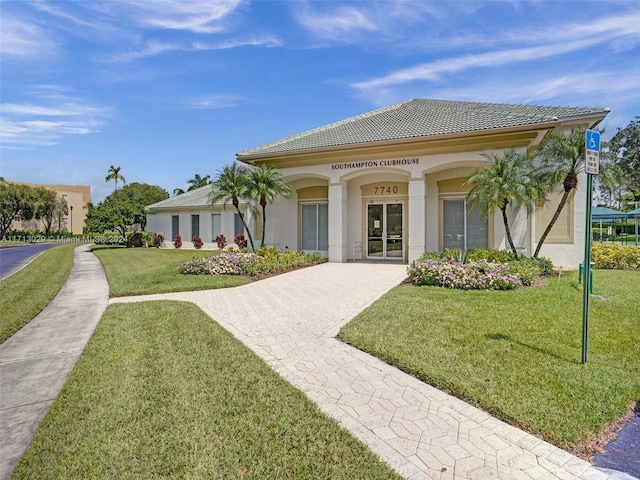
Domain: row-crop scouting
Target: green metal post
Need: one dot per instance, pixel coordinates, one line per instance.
(587, 270)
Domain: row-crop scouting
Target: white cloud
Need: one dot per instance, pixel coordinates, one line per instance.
(198, 16)
(25, 39)
(154, 48)
(211, 102)
(150, 48)
(264, 41)
(349, 23)
(29, 125)
(534, 47)
(65, 109)
(433, 71)
(338, 22)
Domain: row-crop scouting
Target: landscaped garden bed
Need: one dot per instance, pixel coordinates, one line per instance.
(264, 262)
(477, 269)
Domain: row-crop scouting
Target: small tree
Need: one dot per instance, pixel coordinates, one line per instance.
(50, 207)
(507, 181)
(624, 150)
(266, 184)
(231, 185)
(560, 159)
(137, 196)
(17, 202)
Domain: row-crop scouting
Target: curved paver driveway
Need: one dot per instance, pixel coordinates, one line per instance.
(291, 321)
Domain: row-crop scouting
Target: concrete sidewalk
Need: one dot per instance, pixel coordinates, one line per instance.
(36, 361)
(291, 321)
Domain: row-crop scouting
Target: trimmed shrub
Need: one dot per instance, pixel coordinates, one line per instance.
(139, 239)
(221, 241)
(158, 240)
(615, 257)
(197, 242)
(241, 241)
(177, 242)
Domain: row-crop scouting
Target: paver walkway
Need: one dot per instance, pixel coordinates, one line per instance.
(291, 321)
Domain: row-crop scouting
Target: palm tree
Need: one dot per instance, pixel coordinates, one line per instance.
(231, 185)
(561, 159)
(610, 183)
(266, 183)
(178, 191)
(198, 181)
(114, 174)
(507, 181)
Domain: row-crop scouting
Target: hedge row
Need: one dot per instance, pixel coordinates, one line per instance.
(615, 257)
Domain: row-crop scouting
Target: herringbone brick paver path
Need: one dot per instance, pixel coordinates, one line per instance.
(291, 321)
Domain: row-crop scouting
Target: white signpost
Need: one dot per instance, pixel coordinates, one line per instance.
(592, 167)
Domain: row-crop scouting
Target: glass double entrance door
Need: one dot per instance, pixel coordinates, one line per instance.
(385, 237)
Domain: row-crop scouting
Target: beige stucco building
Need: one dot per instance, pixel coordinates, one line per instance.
(77, 197)
(388, 184)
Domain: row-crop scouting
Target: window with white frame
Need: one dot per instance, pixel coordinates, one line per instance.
(314, 226)
(462, 227)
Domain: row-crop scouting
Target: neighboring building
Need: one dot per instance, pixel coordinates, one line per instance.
(388, 184)
(190, 215)
(77, 197)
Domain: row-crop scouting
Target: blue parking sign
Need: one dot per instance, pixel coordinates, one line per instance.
(592, 140)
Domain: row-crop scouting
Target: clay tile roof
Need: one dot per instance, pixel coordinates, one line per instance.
(421, 118)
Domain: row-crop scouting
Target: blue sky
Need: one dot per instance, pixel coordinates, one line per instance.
(166, 89)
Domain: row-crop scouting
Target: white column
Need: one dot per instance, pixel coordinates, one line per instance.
(416, 220)
(338, 223)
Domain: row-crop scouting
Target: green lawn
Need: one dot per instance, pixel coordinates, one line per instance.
(161, 391)
(142, 271)
(517, 353)
(25, 293)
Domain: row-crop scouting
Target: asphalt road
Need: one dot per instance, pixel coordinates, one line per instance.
(623, 454)
(12, 258)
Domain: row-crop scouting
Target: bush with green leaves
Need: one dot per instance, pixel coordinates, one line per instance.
(139, 239)
(265, 261)
(615, 257)
(492, 255)
(526, 269)
(473, 275)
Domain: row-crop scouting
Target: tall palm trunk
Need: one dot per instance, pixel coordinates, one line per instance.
(236, 204)
(263, 204)
(508, 230)
(552, 222)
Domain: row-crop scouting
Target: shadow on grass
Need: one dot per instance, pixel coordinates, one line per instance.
(501, 336)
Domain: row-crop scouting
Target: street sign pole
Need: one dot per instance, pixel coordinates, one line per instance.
(592, 167)
(586, 271)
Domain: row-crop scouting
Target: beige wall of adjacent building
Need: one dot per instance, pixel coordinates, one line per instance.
(77, 197)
